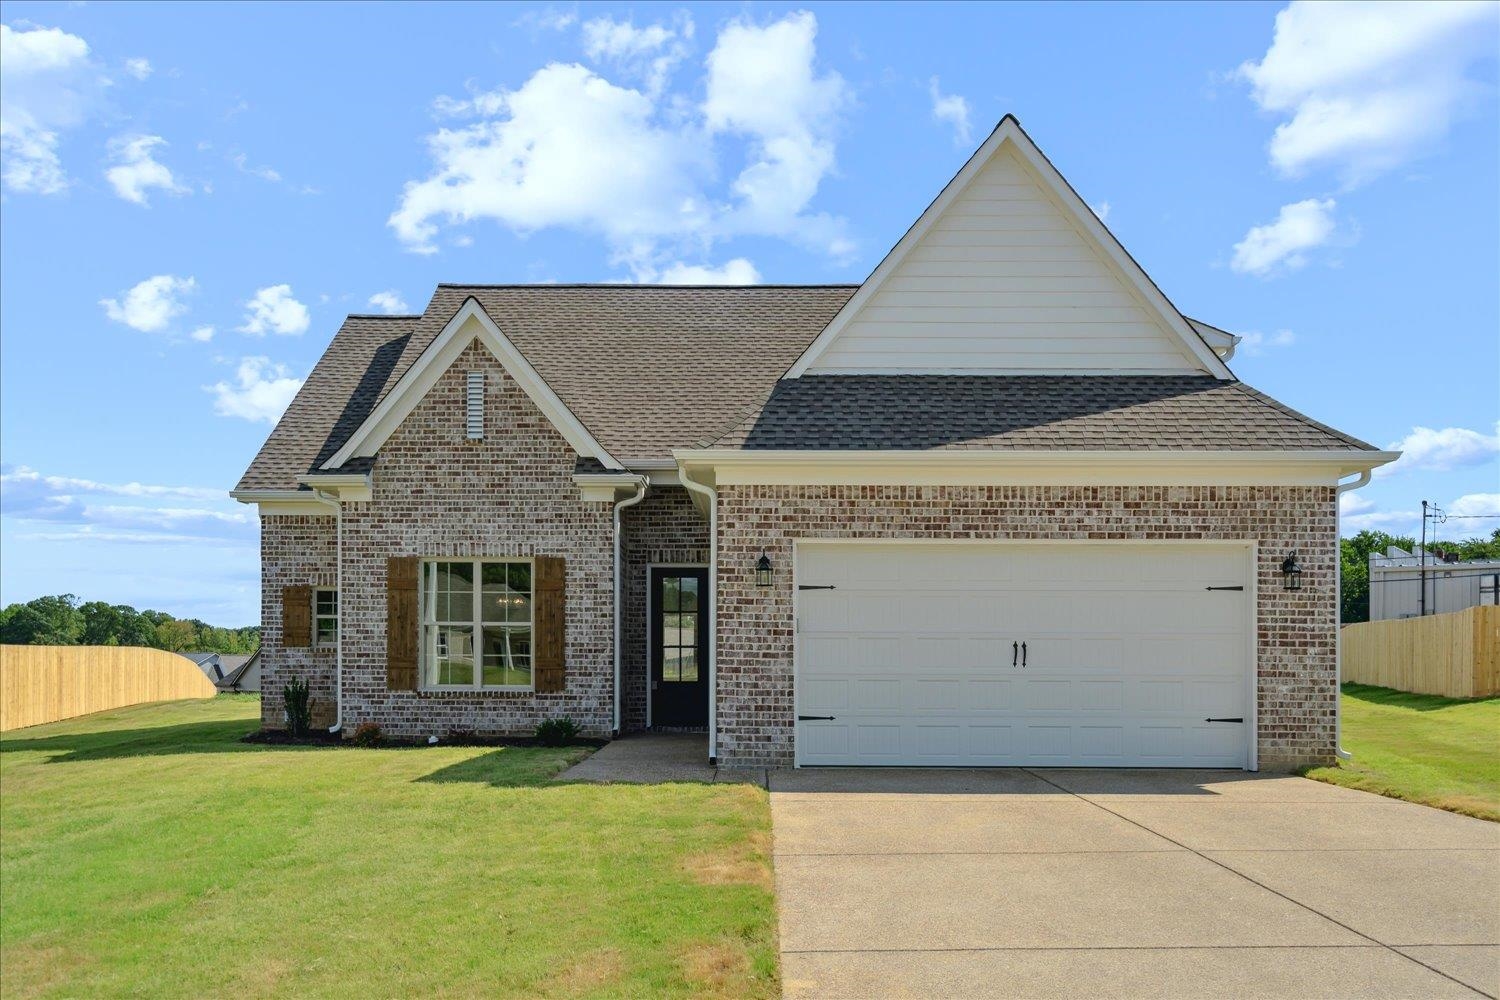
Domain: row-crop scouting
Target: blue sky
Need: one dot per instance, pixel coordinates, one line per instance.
(195, 196)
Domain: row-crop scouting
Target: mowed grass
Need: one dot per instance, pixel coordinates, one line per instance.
(147, 851)
(1441, 752)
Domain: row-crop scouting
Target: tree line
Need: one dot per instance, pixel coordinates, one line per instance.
(63, 620)
(1354, 563)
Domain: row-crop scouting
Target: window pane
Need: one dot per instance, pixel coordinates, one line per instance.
(689, 592)
(520, 577)
(452, 660)
(328, 602)
(455, 591)
(688, 660)
(501, 601)
(687, 631)
(671, 669)
(669, 593)
(327, 630)
(506, 657)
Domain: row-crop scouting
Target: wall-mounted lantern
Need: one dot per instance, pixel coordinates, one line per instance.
(763, 570)
(1291, 572)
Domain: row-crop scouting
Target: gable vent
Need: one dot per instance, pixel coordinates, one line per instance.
(475, 408)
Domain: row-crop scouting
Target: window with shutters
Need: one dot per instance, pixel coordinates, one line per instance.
(325, 617)
(476, 624)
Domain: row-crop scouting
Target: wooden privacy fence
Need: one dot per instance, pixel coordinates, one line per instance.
(1456, 655)
(46, 683)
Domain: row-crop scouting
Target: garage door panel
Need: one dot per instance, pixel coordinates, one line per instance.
(1127, 654)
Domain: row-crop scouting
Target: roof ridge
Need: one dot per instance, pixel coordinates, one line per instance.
(383, 315)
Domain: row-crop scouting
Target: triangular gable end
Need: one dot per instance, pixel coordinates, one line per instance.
(468, 324)
(1008, 271)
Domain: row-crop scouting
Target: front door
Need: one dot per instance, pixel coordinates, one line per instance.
(679, 646)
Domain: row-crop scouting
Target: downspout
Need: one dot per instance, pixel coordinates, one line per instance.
(713, 607)
(338, 625)
(1338, 625)
(640, 494)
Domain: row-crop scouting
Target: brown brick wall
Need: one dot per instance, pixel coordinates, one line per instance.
(294, 550)
(664, 527)
(1295, 631)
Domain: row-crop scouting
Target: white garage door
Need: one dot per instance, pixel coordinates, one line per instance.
(1096, 655)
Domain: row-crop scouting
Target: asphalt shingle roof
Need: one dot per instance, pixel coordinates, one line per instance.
(1072, 412)
(651, 368)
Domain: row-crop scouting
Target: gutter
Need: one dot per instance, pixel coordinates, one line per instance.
(1338, 625)
(338, 584)
(713, 608)
(640, 483)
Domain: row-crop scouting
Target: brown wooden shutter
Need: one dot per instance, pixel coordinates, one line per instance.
(549, 617)
(402, 623)
(296, 617)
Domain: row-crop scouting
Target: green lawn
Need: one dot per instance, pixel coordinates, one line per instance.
(146, 851)
(1437, 751)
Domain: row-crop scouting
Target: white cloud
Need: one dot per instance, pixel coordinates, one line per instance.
(763, 84)
(1256, 343)
(261, 391)
(203, 334)
(151, 305)
(649, 54)
(1469, 516)
(1442, 450)
(1352, 503)
(389, 302)
(274, 310)
(136, 169)
(1472, 514)
(47, 85)
(738, 271)
(242, 164)
(1282, 245)
(1367, 86)
(571, 149)
(1101, 210)
(140, 68)
(132, 512)
(23, 477)
(952, 109)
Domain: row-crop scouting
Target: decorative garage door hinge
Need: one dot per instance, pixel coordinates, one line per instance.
(1223, 720)
(1224, 588)
(816, 586)
(814, 718)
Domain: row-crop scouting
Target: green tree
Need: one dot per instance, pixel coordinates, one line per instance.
(1354, 570)
(45, 621)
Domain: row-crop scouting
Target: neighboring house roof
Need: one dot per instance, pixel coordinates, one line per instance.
(236, 671)
(1023, 412)
(209, 663)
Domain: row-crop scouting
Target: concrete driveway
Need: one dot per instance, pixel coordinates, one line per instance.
(1070, 883)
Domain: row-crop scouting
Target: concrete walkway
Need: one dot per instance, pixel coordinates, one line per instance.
(651, 758)
(1069, 883)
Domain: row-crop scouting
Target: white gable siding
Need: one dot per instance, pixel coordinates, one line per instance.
(1005, 281)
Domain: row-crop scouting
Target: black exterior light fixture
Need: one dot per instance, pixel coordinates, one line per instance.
(1291, 572)
(763, 570)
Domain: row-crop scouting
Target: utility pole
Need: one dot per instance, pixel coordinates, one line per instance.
(1437, 515)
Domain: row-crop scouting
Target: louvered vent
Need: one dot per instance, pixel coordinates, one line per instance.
(476, 405)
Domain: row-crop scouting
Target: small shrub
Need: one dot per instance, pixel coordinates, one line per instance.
(367, 734)
(298, 707)
(556, 732)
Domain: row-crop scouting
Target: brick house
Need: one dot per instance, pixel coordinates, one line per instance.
(999, 504)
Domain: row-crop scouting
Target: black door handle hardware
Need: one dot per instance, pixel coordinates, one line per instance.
(1015, 653)
(816, 586)
(1223, 588)
(1023, 654)
(1223, 720)
(814, 718)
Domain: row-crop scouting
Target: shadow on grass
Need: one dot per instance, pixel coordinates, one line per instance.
(220, 736)
(510, 767)
(1392, 698)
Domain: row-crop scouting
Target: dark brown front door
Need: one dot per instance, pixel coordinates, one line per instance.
(679, 646)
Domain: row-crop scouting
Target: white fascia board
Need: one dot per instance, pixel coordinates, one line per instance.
(352, 486)
(1033, 468)
(471, 322)
(1009, 130)
(270, 503)
(606, 487)
(1222, 341)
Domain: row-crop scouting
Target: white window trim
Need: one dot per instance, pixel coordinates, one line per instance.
(428, 621)
(316, 617)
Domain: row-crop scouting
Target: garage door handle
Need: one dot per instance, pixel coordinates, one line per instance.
(1015, 653)
(814, 718)
(1223, 720)
(1023, 654)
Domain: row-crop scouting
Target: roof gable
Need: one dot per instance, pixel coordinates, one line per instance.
(1008, 271)
(468, 324)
